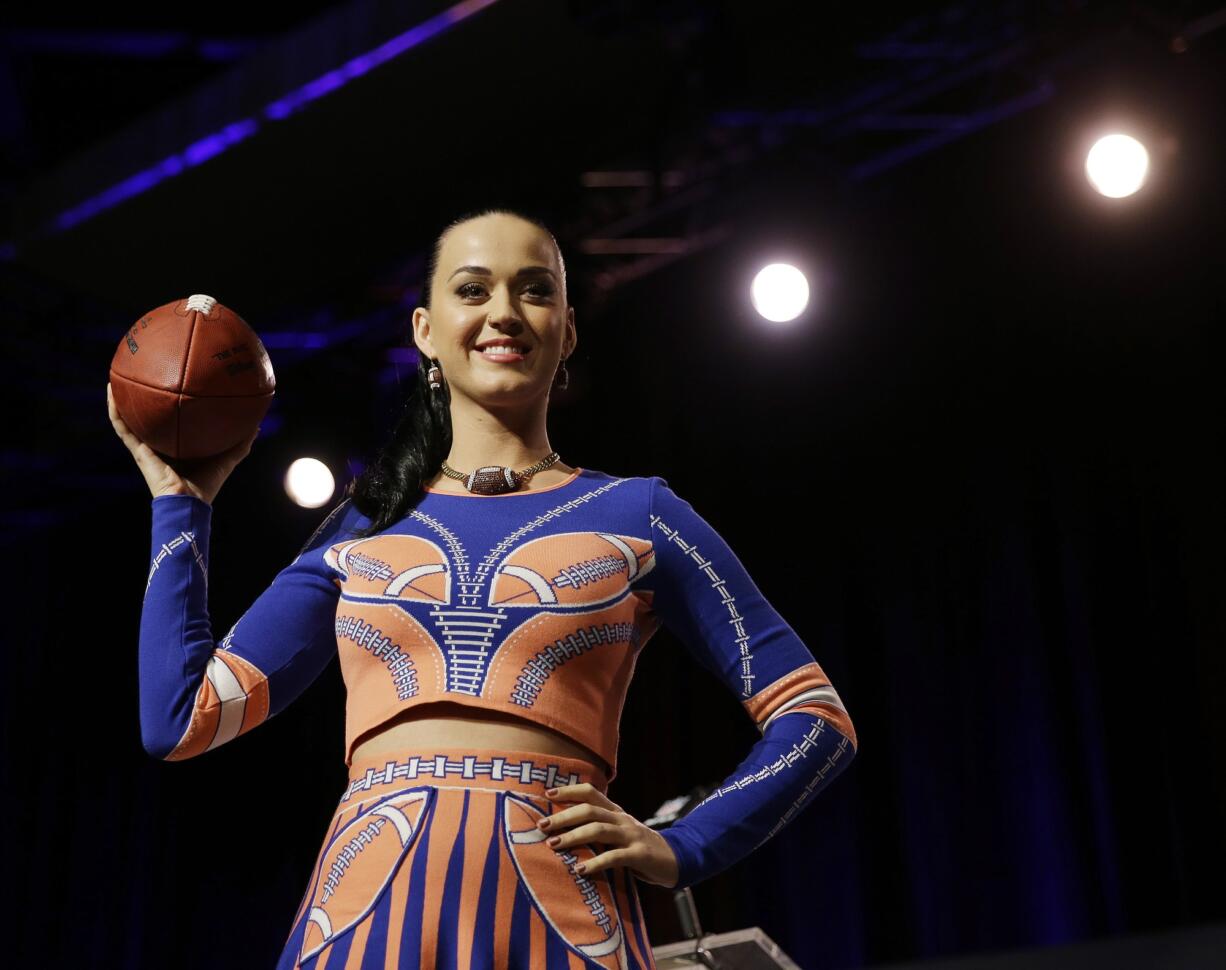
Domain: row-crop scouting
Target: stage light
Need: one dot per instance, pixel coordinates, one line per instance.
(309, 483)
(1116, 165)
(780, 292)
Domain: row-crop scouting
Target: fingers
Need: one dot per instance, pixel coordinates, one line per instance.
(593, 834)
(121, 428)
(605, 860)
(605, 832)
(600, 823)
(591, 823)
(574, 815)
(583, 792)
(594, 808)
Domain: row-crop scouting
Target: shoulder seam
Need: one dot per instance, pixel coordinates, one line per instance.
(319, 529)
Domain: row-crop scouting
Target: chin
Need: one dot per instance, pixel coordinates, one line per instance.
(508, 392)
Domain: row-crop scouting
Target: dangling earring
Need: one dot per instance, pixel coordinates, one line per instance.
(561, 379)
(435, 376)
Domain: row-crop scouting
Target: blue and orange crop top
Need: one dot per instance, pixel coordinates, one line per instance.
(534, 604)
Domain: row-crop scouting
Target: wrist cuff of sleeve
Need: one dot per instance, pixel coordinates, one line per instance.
(687, 861)
(182, 512)
(185, 500)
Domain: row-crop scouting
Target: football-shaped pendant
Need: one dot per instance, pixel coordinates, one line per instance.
(492, 480)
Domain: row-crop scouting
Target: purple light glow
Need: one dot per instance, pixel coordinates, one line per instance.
(212, 145)
(357, 66)
(194, 154)
(295, 340)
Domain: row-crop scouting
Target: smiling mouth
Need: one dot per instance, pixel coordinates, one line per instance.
(503, 351)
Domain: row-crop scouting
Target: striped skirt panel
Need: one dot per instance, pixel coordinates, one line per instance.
(435, 860)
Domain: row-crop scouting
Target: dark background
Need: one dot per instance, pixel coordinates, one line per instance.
(982, 476)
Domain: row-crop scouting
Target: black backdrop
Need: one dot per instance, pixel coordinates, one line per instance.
(985, 483)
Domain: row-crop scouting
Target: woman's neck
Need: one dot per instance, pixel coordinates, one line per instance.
(480, 437)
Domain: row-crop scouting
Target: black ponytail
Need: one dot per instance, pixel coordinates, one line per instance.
(392, 485)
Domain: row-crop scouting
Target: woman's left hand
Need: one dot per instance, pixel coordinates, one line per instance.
(597, 819)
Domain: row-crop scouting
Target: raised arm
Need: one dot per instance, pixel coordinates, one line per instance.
(702, 592)
(196, 694)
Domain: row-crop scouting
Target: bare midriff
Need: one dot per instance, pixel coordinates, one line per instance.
(446, 725)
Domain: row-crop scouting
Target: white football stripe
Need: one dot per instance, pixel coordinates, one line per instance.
(528, 836)
(827, 695)
(404, 828)
(608, 946)
(411, 575)
(632, 561)
(319, 917)
(539, 584)
(233, 700)
(342, 557)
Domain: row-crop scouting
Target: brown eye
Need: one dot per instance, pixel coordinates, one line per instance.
(540, 289)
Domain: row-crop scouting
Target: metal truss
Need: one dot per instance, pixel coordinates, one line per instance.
(936, 79)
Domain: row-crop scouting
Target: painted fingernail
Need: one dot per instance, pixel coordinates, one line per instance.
(543, 823)
(553, 840)
(580, 867)
(551, 791)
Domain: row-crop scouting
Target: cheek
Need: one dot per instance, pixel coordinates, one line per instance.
(461, 332)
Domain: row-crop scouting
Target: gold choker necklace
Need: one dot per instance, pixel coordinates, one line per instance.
(497, 479)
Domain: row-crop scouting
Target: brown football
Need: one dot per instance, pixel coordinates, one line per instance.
(191, 378)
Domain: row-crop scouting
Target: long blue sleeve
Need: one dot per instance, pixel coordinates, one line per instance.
(702, 592)
(196, 694)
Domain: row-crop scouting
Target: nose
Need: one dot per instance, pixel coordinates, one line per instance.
(502, 312)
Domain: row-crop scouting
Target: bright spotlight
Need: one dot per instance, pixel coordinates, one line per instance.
(309, 483)
(780, 292)
(1116, 165)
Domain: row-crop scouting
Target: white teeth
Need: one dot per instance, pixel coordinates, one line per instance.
(501, 350)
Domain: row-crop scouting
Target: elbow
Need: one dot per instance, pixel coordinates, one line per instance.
(159, 730)
(159, 740)
(166, 738)
(835, 719)
(202, 729)
(164, 725)
(848, 731)
(185, 725)
(156, 752)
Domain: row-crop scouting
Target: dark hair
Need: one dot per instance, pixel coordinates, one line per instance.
(393, 483)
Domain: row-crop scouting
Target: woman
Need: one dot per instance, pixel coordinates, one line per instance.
(488, 602)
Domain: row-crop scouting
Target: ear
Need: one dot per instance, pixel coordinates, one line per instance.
(421, 333)
(571, 340)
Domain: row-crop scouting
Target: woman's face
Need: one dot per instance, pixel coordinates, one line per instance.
(498, 277)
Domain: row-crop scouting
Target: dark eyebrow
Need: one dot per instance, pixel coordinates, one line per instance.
(482, 271)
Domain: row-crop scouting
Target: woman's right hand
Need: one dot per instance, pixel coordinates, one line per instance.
(202, 477)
